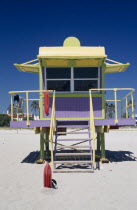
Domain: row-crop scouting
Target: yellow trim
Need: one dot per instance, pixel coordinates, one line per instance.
(27, 68)
(86, 118)
(92, 127)
(113, 68)
(31, 91)
(30, 62)
(52, 127)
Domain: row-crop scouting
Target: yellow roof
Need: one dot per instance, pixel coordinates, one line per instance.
(27, 68)
(114, 68)
(71, 54)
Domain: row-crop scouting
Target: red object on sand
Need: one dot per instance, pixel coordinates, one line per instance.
(47, 176)
(46, 103)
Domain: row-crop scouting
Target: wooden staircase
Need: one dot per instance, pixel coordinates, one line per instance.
(76, 157)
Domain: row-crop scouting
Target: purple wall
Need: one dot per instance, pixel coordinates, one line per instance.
(76, 107)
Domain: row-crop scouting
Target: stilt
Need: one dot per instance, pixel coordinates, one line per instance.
(98, 142)
(47, 143)
(103, 154)
(42, 146)
(98, 152)
(41, 160)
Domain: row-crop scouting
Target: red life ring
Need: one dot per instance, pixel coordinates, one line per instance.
(46, 103)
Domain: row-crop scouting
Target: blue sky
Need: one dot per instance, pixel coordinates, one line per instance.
(27, 25)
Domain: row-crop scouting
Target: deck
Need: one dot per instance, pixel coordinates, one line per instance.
(98, 122)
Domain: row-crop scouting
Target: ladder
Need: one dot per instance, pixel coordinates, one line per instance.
(74, 152)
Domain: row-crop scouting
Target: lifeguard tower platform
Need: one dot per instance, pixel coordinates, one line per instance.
(73, 133)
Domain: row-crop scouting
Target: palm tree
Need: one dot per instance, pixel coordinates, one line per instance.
(34, 106)
(110, 110)
(130, 103)
(14, 110)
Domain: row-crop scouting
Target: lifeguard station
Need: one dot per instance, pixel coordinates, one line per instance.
(73, 76)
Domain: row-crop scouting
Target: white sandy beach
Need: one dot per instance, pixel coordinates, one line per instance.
(114, 187)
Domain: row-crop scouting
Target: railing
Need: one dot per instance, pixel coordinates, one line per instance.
(128, 104)
(17, 110)
(27, 99)
(115, 101)
(52, 127)
(92, 127)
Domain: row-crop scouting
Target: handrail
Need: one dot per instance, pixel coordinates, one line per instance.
(13, 93)
(92, 127)
(30, 91)
(52, 127)
(120, 100)
(92, 123)
(53, 114)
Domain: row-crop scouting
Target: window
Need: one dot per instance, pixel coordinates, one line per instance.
(58, 79)
(86, 72)
(86, 78)
(58, 73)
(85, 85)
(59, 85)
(72, 79)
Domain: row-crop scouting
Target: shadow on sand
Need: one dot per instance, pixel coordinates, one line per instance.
(113, 156)
(120, 156)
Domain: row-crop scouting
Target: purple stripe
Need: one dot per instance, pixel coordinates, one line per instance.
(46, 123)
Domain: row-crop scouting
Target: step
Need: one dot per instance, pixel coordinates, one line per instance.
(73, 171)
(72, 162)
(74, 140)
(72, 122)
(60, 147)
(73, 154)
(72, 126)
(72, 133)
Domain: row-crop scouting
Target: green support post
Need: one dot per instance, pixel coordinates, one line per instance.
(103, 154)
(47, 143)
(102, 145)
(98, 142)
(42, 159)
(42, 146)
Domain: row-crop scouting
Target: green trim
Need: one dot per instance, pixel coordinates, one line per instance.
(103, 86)
(100, 62)
(40, 87)
(71, 63)
(76, 95)
(44, 63)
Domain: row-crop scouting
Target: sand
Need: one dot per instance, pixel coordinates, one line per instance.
(114, 187)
